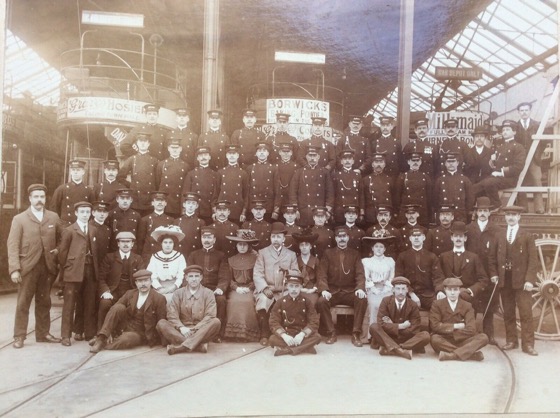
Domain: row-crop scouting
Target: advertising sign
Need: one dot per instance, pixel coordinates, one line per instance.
(467, 121)
(108, 110)
(300, 132)
(300, 110)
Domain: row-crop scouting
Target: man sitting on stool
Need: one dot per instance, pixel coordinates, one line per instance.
(397, 330)
(137, 312)
(453, 326)
(191, 316)
(294, 321)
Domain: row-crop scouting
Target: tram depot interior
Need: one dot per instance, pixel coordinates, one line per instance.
(73, 87)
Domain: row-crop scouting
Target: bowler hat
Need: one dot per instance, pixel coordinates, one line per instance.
(278, 228)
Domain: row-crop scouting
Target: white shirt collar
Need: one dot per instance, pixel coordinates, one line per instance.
(123, 255)
(81, 224)
(38, 213)
(453, 305)
(482, 224)
(142, 299)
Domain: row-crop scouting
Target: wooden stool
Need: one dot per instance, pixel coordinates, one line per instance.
(341, 310)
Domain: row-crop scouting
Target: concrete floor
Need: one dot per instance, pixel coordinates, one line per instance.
(48, 380)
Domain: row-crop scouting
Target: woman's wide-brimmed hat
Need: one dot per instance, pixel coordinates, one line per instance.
(306, 235)
(170, 230)
(378, 236)
(244, 235)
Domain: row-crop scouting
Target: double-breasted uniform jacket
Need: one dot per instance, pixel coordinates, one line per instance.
(415, 187)
(524, 261)
(454, 189)
(511, 159)
(142, 171)
(361, 147)
(263, 185)
(438, 240)
(270, 267)
(205, 182)
(234, 187)
(423, 270)
(378, 190)
(222, 230)
(72, 252)
(122, 220)
(262, 232)
(211, 261)
(482, 242)
(158, 143)
(277, 140)
(347, 191)
(191, 226)
(247, 139)
(406, 230)
(324, 241)
(471, 271)
(393, 154)
(145, 244)
(217, 142)
(64, 198)
(327, 152)
(111, 271)
(477, 167)
(107, 192)
(455, 145)
(355, 236)
(294, 315)
(429, 154)
(103, 235)
(310, 188)
(189, 142)
(284, 172)
(341, 270)
(409, 312)
(171, 176)
(443, 319)
(154, 309)
(30, 239)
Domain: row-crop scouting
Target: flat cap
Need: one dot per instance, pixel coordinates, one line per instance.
(194, 268)
(142, 274)
(452, 282)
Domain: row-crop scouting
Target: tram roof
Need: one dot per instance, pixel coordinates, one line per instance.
(360, 40)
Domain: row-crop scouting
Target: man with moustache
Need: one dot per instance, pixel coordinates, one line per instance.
(32, 264)
(352, 140)
(106, 191)
(247, 138)
(422, 146)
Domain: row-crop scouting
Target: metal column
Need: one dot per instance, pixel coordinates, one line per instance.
(405, 68)
(2, 54)
(210, 59)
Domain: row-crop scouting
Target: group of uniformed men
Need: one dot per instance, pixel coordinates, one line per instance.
(101, 236)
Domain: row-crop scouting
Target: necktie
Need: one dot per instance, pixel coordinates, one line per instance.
(510, 236)
(400, 306)
(85, 230)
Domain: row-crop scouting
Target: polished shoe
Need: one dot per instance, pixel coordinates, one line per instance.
(264, 342)
(202, 348)
(65, 342)
(99, 345)
(217, 340)
(18, 342)
(331, 339)
(383, 351)
(92, 341)
(282, 352)
(48, 339)
(510, 346)
(399, 352)
(78, 337)
(374, 345)
(444, 356)
(356, 340)
(176, 349)
(311, 350)
(477, 356)
(530, 350)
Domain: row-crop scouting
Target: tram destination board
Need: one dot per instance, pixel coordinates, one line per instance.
(449, 73)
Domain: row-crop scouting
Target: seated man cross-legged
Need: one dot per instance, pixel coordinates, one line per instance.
(397, 330)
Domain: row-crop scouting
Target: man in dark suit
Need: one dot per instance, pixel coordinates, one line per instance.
(453, 326)
(32, 264)
(397, 330)
(482, 240)
(115, 274)
(294, 321)
(422, 268)
(477, 166)
(526, 128)
(341, 281)
(514, 265)
(136, 313)
(463, 265)
(78, 260)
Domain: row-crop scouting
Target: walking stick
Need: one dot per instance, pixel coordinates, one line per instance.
(490, 300)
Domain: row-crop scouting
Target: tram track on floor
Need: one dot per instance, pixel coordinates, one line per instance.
(513, 383)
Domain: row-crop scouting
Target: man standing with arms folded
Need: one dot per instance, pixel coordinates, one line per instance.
(32, 264)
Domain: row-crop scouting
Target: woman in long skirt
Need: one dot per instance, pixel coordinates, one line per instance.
(242, 324)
